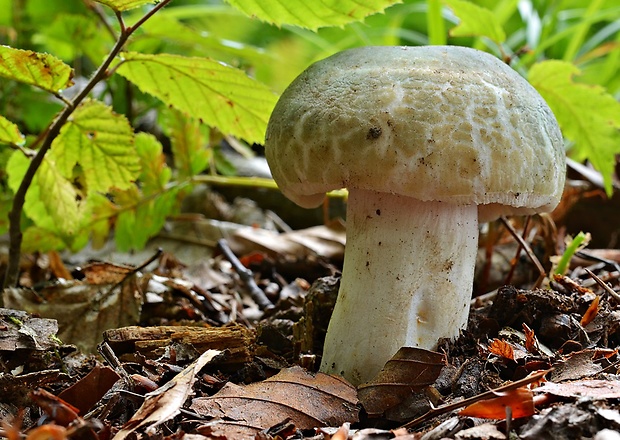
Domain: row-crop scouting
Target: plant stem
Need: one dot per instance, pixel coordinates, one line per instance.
(436, 26)
(15, 233)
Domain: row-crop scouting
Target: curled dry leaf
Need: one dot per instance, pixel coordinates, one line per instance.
(520, 400)
(531, 342)
(410, 369)
(308, 400)
(166, 402)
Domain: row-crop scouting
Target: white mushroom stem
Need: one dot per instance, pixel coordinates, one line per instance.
(407, 280)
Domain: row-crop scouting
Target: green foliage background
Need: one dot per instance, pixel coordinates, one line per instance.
(208, 69)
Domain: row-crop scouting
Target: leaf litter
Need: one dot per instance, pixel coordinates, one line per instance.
(187, 351)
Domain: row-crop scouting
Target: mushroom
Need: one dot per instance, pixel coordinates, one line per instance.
(429, 141)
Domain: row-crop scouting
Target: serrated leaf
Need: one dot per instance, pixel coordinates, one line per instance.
(155, 173)
(587, 114)
(311, 15)
(217, 94)
(125, 5)
(9, 133)
(38, 69)
(475, 21)
(102, 143)
(52, 202)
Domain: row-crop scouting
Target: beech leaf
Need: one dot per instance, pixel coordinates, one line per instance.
(217, 94)
(37, 69)
(588, 115)
(308, 400)
(10, 134)
(102, 143)
(410, 369)
(311, 15)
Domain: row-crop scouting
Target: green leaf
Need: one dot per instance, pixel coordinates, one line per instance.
(134, 226)
(38, 69)
(102, 143)
(189, 141)
(37, 239)
(125, 5)
(475, 21)
(155, 173)
(587, 114)
(71, 35)
(59, 197)
(10, 134)
(311, 15)
(217, 94)
(52, 202)
(102, 210)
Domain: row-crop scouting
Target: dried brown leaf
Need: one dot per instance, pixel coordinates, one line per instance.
(576, 365)
(591, 313)
(410, 369)
(308, 400)
(502, 348)
(531, 342)
(520, 400)
(592, 389)
(165, 403)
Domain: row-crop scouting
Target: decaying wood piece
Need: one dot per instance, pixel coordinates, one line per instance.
(153, 342)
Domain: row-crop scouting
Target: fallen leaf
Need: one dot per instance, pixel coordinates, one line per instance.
(520, 400)
(591, 313)
(531, 343)
(410, 369)
(576, 365)
(502, 348)
(592, 389)
(165, 403)
(86, 392)
(60, 411)
(308, 400)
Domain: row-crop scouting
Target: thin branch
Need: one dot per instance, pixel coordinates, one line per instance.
(15, 233)
(528, 251)
(246, 275)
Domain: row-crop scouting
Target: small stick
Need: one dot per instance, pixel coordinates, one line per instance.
(528, 251)
(604, 285)
(246, 275)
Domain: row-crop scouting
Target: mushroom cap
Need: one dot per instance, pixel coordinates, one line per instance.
(442, 123)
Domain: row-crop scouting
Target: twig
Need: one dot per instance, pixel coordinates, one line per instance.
(434, 412)
(528, 251)
(15, 233)
(513, 266)
(246, 275)
(604, 285)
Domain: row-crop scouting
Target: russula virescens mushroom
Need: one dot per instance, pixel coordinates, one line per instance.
(429, 141)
